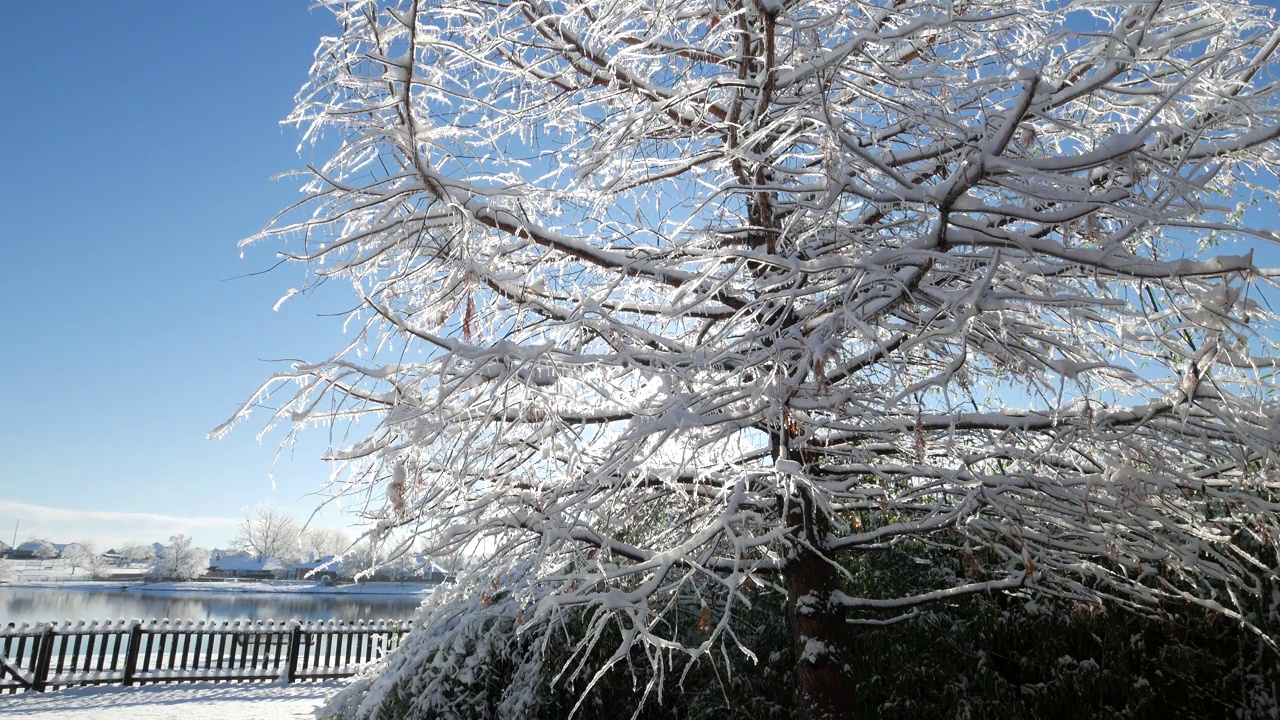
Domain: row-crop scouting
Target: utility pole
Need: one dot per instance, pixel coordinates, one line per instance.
(17, 522)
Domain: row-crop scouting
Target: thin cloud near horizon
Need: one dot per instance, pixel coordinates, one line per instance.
(59, 524)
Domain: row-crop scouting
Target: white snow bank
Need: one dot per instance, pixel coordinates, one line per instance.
(416, 590)
(188, 701)
(74, 585)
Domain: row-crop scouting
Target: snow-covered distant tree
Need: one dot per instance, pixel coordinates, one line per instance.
(181, 560)
(40, 548)
(137, 552)
(356, 560)
(82, 555)
(318, 542)
(658, 297)
(266, 531)
(365, 557)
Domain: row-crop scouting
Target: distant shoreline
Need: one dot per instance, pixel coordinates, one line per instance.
(415, 591)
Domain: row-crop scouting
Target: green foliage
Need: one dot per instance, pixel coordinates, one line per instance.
(978, 657)
(1001, 657)
(1031, 656)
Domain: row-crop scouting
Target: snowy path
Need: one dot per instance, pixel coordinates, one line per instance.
(199, 701)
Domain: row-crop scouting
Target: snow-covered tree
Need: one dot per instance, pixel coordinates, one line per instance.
(137, 552)
(41, 548)
(669, 304)
(317, 542)
(267, 531)
(82, 555)
(373, 555)
(181, 560)
(358, 561)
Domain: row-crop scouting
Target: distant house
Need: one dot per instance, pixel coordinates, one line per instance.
(244, 565)
(410, 569)
(125, 574)
(430, 572)
(113, 558)
(321, 568)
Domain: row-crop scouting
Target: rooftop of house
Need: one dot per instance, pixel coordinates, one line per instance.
(244, 562)
(32, 545)
(427, 567)
(323, 561)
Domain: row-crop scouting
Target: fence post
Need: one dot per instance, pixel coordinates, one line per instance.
(295, 642)
(40, 680)
(131, 655)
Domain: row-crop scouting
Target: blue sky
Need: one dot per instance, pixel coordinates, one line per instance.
(139, 143)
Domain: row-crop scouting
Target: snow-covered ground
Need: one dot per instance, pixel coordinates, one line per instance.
(305, 587)
(193, 701)
(46, 570)
(70, 585)
(279, 586)
(25, 572)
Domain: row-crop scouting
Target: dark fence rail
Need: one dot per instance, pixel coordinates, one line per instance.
(50, 656)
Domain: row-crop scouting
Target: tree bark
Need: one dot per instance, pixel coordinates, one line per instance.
(825, 686)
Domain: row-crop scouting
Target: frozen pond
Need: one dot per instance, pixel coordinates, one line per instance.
(19, 605)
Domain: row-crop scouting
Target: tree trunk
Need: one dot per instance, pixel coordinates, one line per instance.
(825, 687)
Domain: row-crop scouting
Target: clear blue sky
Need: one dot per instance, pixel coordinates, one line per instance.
(139, 139)
(139, 142)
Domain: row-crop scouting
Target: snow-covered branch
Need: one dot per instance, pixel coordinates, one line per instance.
(659, 296)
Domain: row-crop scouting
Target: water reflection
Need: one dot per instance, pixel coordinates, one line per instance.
(19, 605)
